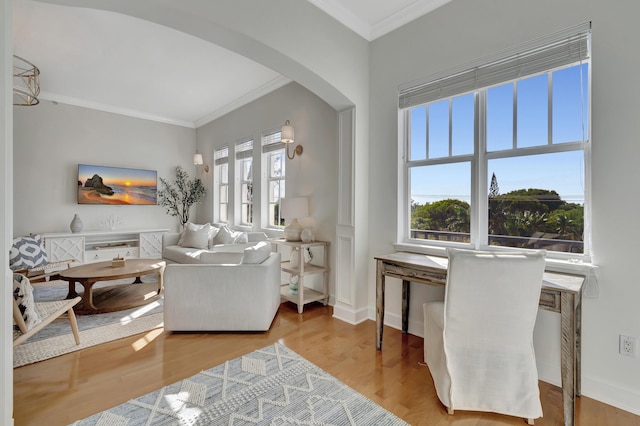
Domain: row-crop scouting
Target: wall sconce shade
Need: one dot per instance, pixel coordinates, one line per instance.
(197, 160)
(286, 136)
(294, 208)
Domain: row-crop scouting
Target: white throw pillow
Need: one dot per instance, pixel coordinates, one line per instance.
(240, 237)
(195, 236)
(213, 231)
(192, 227)
(224, 236)
(257, 253)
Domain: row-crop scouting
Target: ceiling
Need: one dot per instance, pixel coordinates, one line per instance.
(134, 70)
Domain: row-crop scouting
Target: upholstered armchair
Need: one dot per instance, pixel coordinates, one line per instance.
(478, 342)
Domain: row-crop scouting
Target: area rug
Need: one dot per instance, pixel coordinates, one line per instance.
(56, 339)
(273, 385)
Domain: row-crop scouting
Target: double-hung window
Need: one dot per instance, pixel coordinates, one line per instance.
(221, 182)
(497, 154)
(244, 173)
(273, 160)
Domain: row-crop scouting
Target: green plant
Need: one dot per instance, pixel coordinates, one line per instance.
(178, 196)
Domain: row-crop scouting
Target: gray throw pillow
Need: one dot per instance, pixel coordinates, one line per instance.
(27, 253)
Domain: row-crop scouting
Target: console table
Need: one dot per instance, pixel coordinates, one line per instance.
(560, 293)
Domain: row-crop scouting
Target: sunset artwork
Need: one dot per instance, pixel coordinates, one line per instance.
(116, 185)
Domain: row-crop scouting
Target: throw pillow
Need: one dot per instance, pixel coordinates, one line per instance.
(195, 237)
(257, 253)
(190, 227)
(213, 231)
(27, 253)
(224, 236)
(240, 238)
(23, 295)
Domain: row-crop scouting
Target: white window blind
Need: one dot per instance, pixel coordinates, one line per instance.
(244, 149)
(271, 142)
(221, 156)
(541, 55)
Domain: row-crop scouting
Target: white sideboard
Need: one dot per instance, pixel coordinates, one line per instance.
(98, 246)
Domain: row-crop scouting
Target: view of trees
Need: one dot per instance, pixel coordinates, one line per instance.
(531, 214)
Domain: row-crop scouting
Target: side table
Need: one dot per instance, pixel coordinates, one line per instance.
(305, 294)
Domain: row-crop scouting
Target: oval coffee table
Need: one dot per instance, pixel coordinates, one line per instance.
(116, 297)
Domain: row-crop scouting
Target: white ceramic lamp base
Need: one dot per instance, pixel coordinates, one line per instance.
(292, 232)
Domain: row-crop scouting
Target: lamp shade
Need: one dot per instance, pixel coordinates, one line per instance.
(293, 208)
(286, 134)
(197, 159)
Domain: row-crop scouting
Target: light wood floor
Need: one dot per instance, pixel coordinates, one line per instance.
(70, 387)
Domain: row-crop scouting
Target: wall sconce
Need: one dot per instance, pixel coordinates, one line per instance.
(286, 136)
(197, 160)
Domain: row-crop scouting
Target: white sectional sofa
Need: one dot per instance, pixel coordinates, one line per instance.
(220, 287)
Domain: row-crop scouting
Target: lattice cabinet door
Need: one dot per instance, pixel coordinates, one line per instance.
(65, 248)
(151, 245)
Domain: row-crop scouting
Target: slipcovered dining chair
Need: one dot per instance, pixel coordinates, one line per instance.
(478, 342)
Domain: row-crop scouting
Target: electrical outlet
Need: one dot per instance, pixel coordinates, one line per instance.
(628, 346)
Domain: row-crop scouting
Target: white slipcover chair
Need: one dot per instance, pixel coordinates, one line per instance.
(478, 342)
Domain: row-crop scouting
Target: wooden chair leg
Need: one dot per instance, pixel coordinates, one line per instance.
(74, 325)
(450, 410)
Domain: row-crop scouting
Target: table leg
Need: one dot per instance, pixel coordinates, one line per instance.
(406, 298)
(568, 357)
(72, 294)
(379, 304)
(578, 316)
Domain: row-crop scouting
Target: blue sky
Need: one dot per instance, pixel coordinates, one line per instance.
(562, 172)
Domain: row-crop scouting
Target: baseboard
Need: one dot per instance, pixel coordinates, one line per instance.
(349, 315)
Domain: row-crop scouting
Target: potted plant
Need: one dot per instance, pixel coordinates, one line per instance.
(178, 196)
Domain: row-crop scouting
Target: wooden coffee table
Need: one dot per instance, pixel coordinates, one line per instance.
(116, 297)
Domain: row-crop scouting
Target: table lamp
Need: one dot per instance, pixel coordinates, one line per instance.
(292, 209)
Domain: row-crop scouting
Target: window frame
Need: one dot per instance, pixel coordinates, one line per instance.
(220, 159)
(242, 154)
(479, 160)
(271, 144)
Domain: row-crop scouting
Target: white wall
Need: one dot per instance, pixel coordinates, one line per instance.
(312, 174)
(464, 30)
(51, 139)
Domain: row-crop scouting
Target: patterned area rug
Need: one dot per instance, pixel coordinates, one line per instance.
(56, 339)
(273, 385)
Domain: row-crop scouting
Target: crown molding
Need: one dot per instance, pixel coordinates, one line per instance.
(343, 15)
(404, 16)
(54, 97)
(269, 87)
(370, 32)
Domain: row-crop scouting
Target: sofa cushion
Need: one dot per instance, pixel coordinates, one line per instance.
(257, 253)
(180, 254)
(190, 227)
(221, 258)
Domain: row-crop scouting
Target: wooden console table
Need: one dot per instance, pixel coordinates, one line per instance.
(560, 293)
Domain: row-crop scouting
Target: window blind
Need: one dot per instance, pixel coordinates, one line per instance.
(221, 156)
(271, 142)
(244, 149)
(563, 48)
